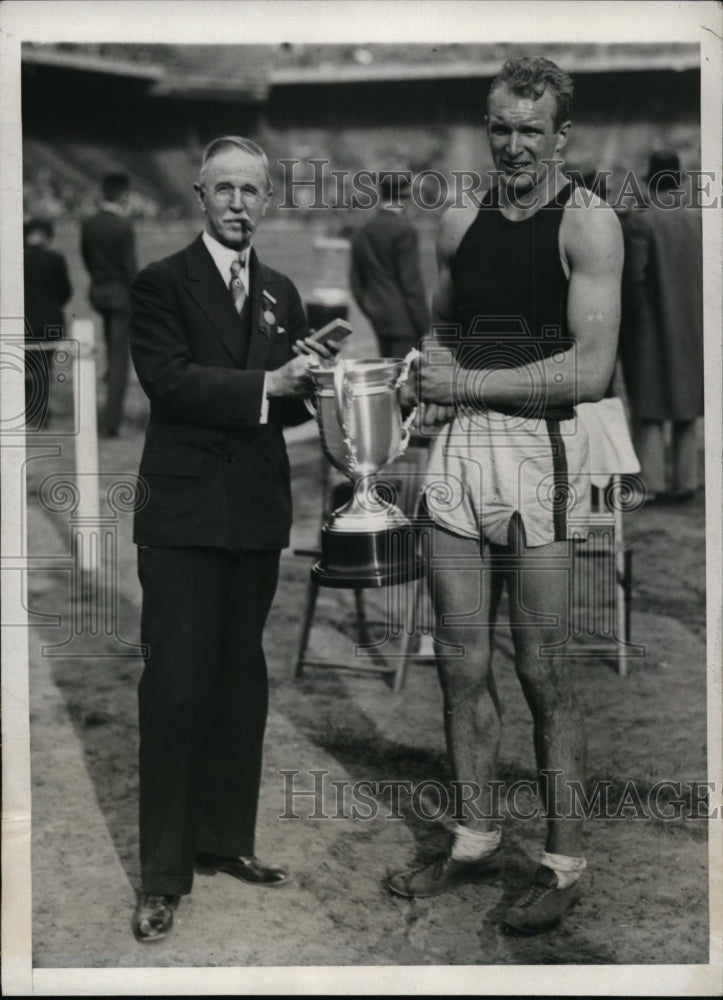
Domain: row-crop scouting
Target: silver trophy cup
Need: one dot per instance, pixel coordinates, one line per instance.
(360, 423)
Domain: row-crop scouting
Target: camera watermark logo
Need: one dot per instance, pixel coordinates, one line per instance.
(316, 795)
(86, 616)
(547, 366)
(42, 363)
(589, 576)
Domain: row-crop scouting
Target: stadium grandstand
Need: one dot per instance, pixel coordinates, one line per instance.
(149, 109)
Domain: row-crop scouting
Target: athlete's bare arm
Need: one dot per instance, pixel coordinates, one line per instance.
(454, 224)
(592, 246)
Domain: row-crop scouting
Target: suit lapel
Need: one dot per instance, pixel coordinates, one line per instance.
(208, 289)
(264, 303)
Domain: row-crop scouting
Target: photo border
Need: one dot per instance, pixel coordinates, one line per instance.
(372, 22)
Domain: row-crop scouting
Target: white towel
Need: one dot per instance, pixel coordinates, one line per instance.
(611, 449)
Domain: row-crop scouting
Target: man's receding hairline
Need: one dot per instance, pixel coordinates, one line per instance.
(220, 152)
(224, 145)
(226, 149)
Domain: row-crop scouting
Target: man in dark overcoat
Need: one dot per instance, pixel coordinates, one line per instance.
(107, 246)
(385, 276)
(661, 341)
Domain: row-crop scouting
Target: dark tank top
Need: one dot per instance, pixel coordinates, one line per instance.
(510, 294)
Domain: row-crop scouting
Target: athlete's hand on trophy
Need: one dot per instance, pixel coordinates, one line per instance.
(434, 414)
(437, 379)
(429, 414)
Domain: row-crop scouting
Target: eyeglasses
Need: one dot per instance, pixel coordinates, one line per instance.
(250, 196)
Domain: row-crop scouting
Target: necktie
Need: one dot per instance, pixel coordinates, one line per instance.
(238, 289)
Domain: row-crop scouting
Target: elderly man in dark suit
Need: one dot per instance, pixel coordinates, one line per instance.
(218, 344)
(108, 249)
(385, 277)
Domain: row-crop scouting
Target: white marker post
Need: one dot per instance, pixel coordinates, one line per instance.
(87, 515)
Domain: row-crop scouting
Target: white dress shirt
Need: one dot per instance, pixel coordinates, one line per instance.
(223, 257)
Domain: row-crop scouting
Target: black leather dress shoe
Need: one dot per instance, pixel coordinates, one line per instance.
(247, 869)
(153, 917)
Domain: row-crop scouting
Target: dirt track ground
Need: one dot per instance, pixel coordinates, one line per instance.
(646, 898)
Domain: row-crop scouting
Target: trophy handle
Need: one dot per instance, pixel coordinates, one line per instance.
(339, 383)
(341, 397)
(311, 408)
(407, 431)
(406, 365)
(403, 375)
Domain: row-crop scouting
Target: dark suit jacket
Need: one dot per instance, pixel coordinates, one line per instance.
(386, 280)
(215, 476)
(47, 289)
(107, 245)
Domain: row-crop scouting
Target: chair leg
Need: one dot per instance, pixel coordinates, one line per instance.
(622, 640)
(626, 586)
(298, 660)
(621, 591)
(413, 592)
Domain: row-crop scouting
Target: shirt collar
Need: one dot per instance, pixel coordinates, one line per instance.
(223, 257)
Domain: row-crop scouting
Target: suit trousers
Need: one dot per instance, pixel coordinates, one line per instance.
(202, 702)
(116, 331)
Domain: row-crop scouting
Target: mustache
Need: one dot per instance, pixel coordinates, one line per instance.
(248, 227)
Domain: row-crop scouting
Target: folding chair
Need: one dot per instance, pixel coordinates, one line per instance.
(611, 457)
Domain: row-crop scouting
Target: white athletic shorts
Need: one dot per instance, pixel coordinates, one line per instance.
(485, 467)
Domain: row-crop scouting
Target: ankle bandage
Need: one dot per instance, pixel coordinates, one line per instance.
(567, 869)
(472, 844)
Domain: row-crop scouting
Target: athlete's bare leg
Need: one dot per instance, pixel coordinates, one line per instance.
(539, 585)
(461, 588)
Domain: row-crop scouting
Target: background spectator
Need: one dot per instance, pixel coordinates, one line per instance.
(47, 290)
(108, 250)
(661, 339)
(385, 276)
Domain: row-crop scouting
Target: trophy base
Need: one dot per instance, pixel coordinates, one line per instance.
(368, 516)
(371, 559)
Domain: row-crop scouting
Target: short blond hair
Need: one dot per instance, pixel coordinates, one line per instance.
(530, 77)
